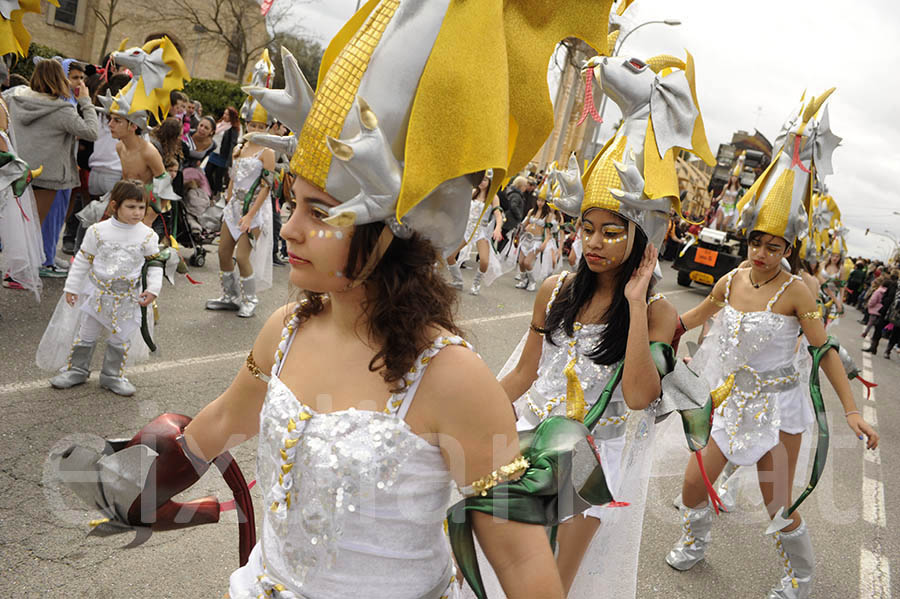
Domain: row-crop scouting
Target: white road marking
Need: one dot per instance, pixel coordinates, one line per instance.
(873, 456)
(867, 373)
(43, 383)
(874, 576)
(873, 502)
(870, 415)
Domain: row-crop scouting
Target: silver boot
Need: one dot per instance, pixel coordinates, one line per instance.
(696, 524)
(249, 301)
(532, 283)
(523, 280)
(231, 293)
(112, 375)
(726, 488)
(79, 367)
(797, 558)
(456, 280)
(476, 282)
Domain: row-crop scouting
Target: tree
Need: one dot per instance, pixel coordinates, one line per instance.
(234, 24)
(105, 12)
(308, 53)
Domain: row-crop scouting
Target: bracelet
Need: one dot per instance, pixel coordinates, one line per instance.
(851, 412)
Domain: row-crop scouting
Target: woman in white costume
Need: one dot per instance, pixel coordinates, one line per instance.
(535, 250)
(246, 235)
(749, 361)
(483, 226)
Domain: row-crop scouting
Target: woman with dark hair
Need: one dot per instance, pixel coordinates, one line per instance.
(539, 225)
(47, 128)
(587, 328)
(483, 226)
(227, 133)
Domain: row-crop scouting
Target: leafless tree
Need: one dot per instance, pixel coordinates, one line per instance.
(105, 11)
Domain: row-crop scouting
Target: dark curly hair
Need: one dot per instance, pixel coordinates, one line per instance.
(406, 300)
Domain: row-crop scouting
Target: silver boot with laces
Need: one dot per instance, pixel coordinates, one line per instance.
(696, 524)
(112, 375)
(249, 300)
(476, 282)
(231, 293)
(797, 558)
(79, 367)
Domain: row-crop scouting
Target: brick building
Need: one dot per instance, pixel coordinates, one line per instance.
(75, 30)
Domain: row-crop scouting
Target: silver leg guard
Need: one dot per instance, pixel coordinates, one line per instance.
(797, 558)
(231, 293)
(476, 282)
(249, 301)
(532, 283)
(112, 375)
(79, 367)
(456, 280)
(695, 536)
(727, 487)
(523, 280)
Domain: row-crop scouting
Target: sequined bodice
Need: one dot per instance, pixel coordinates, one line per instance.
(354, 499)
(475, 209)
(245, 171)
(118, 260)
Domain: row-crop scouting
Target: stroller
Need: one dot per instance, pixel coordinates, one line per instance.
(196, 220)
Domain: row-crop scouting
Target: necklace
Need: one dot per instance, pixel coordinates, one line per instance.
(758, 285)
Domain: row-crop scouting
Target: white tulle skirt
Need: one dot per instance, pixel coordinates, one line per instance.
(261, 256)
(23, 245)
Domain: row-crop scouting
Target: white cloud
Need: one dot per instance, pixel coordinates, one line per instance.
(753, 62)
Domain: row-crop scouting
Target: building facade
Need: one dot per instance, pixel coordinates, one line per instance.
(76, 31)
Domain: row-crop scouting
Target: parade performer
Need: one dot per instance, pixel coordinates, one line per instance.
(20, 227)
(115, 275)
(534, 249)
(366, 421)
(479, 233)
(748, 359)
(246, 236)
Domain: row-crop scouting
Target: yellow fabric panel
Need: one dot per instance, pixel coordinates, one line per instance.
(758, 184)
(660, 178)
(604, 177)
(14, 37)
(664, 61)
(699, 144)
(458, 122)
(775, 210)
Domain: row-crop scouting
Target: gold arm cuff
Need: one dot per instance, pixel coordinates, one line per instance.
(715, 301)
(254, 368)
(814, 315)
(500, 475)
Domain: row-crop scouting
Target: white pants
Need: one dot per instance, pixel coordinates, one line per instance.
(91, 329)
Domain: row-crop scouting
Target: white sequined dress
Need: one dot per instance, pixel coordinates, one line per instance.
(766, 395)
(354, 501)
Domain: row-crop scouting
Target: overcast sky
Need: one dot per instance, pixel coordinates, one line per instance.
(753, 61)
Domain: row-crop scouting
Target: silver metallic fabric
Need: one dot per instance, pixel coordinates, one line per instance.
(798, 561)
(112, 374)
(695, 537)
(231, 293)
(79, 368)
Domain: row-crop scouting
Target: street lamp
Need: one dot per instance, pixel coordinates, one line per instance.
(616, 49)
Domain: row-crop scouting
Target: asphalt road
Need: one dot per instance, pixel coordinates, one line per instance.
(45, 550)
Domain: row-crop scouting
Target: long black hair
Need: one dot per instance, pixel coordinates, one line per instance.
(578, 293)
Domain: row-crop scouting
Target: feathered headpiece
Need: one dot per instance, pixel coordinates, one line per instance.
(398, 129)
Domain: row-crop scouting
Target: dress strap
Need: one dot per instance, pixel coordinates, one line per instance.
(730, 277)
(287, 338)
(780, 291)
(559, 284)
(399, 403)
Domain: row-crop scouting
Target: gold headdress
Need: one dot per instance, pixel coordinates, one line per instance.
(398, 129)
(779, 200)
(14, 38)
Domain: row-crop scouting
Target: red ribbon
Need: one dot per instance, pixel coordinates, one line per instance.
(22, 210)
(867, 384)
(795, 160)
(589, 107)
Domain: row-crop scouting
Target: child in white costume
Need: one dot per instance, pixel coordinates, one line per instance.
(104, 291)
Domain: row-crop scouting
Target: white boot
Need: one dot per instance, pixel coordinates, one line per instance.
(249, 300)
(476, 283)
(231, 293)
(696, 524)
(456, 280)
(726, 488)
(79, 367)
(798, 560)
(112, 375)
(532, 283)
(523, 280)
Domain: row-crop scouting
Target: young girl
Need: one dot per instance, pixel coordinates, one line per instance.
(748, 360)
(831, 277)
(247, 232)
(375, 404)
(539, 226)
(105, 289)
(480, 231)
(585, 327)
